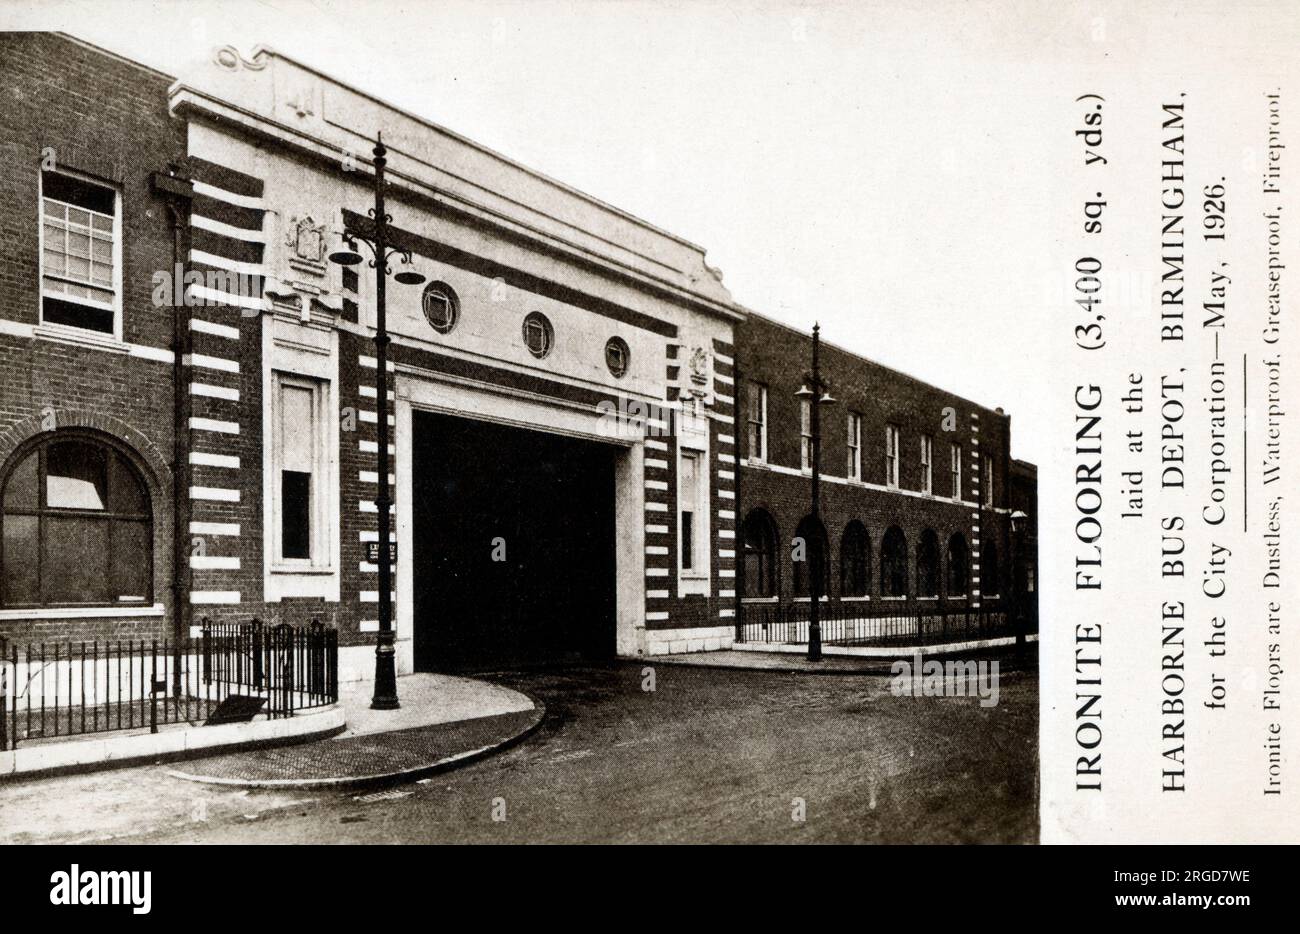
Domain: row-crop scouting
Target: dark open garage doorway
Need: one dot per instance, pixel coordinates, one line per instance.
(513, 535)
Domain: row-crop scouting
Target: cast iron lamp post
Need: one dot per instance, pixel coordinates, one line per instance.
(815, 389)
(1018, 522)
(385, 696)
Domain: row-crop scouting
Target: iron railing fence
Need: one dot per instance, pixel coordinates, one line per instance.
(881, 623)
(62, 689)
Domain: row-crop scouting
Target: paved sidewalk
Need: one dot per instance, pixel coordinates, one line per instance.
(829, 665)
(442, 721)
(427, 699)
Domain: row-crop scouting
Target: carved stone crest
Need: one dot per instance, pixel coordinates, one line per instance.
(306, 240)
(699, 364)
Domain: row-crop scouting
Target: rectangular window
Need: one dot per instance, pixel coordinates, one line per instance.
(688, 496)
(854, 442)
(987, 480)
(756, 419)
(927, 464)
(891, 456)
(299, 471)
(954, 467)
(295, 514)
(80, 253)
(805, 434)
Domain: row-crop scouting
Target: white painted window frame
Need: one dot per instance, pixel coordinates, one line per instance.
(116, 305)
(954, 469)
(854, 442)
(693, 440)
(292, 350)
(761, 457)
(892, 444)
(805, 435)
(690, 498)
(321, 559)
(927, 464)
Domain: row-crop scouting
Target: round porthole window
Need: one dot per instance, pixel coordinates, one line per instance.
(441, 307)
(617, 356)
(539, 337)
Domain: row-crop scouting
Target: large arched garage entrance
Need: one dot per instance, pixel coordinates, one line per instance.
(520, 530)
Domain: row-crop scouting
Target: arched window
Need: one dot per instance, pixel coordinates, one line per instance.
(758, 534)
(815, 553)
(958, 565)
(893, 563)
(855, 560)
(77, 527)
(990, 574)
(927, 565)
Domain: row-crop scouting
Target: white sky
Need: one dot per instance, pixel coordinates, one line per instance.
(886, 169)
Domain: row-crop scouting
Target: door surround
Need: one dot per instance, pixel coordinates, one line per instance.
(421, 390)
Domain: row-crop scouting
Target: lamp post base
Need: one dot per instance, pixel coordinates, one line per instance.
(814, 643)
(385, 696)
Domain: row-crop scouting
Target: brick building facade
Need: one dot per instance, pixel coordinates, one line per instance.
(914, 496)
(570, 390)
(90, 128)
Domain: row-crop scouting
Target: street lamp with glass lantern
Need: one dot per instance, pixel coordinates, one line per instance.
(816, 390)
(1019, 520)
(378, 240)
